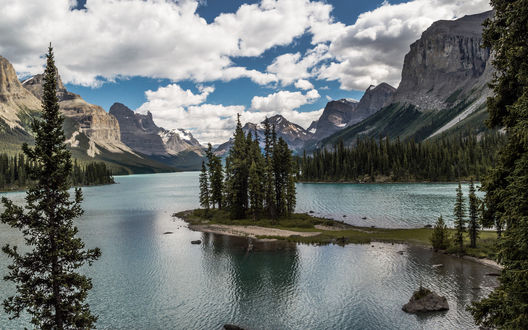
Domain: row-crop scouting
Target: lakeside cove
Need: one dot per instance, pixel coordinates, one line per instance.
(303, 228)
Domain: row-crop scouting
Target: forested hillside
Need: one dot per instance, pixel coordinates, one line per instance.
(14, 169)
(446, 158)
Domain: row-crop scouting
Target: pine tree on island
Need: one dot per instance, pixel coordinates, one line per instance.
(473, 223)
(255, 185)
(216, 178)
(49, 288)
(204, 188)
(460, 221)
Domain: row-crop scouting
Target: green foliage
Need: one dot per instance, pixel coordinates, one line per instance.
(216, 178)
(506, 201)
(204, 188)
(48, 286)
(445, 159)
(420, 293)
(14, 173)
(460, 221)
(439, 237)
(473, 223)
(256, 184)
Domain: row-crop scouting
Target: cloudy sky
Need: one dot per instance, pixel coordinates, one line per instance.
(196, 63)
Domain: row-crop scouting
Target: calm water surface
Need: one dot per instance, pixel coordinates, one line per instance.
(146, 279)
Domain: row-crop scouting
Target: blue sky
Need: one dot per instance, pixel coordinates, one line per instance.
(194, 63)
(132, 91)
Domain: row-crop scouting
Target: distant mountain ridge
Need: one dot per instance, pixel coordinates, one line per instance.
(141, 134)
(295, 135)
(443, 87)
(91, 132)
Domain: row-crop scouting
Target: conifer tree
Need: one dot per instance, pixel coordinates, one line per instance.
(506, 186)
(237, 187)
(460, 221)
(439, 238)
(48, 286)
(204, 188)
(473, 224)
(255, 190)
(216, 178)
(269, 178)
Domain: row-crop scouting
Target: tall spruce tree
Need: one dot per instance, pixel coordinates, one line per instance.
(269, 177)
(48, 286)
(216, 178)
(506, 186)
(255, 190)
(204, 188)
(473, 223)
(460, 222)
(237, 187)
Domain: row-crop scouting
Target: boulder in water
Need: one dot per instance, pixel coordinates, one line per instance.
(425, 300)
(232, 327)
(196, 242)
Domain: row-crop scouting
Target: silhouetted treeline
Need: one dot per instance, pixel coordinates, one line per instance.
(14, 169)
(448, 158)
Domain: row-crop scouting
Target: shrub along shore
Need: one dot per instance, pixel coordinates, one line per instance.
(307, 229)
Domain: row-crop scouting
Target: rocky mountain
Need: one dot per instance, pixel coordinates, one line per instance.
(142, 135)
(92, 133)
(336, 116)
(17, 107)
(293, 134)
(342, 113)
(372, 101)
(101, 129)
(443, 86)
(447, 59)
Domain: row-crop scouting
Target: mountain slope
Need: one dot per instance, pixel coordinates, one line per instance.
(17, 107)
(92, 134)
(443, 86)
(173, 147)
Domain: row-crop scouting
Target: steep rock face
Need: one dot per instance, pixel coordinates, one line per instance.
(15, 100)
(342, 113)
(443, 87)
(99, 126)
(372, 101)
(141, 134)
(335, 116)
(446, 62)
(293, 134)
(138, 131)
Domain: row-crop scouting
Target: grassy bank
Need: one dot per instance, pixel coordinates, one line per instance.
(336, 232)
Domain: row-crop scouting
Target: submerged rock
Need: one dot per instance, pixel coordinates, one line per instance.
(196, 242)
(425, 300)
(232, 327)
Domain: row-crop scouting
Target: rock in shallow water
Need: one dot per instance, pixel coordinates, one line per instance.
(232, 327)
(196, 242)
(424, 300)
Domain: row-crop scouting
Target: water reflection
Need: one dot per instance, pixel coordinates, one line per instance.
(260, 277)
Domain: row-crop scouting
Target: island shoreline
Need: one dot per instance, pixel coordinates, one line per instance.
(270, 234)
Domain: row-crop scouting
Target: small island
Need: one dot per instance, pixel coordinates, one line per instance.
(307, 229)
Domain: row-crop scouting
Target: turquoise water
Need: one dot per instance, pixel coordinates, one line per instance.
(146, 279)
(398, 205)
